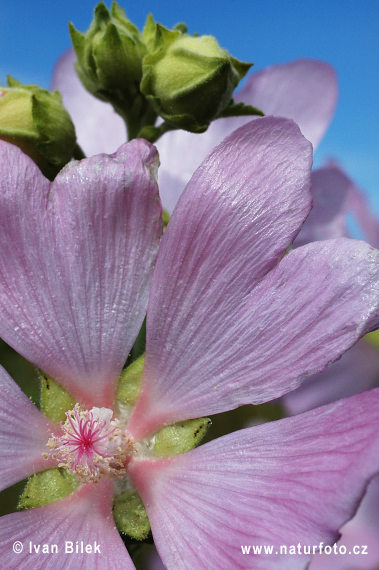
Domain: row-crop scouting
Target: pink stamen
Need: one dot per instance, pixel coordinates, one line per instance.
(91, 445)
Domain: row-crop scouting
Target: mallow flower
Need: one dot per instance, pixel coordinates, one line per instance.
(304, 90)
(231, 319)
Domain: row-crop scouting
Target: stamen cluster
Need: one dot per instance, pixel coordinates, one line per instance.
(92, 444)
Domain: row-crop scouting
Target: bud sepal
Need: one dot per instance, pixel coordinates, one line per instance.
(36, 121)
(189, 80)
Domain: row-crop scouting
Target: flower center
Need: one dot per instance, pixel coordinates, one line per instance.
(92, 444)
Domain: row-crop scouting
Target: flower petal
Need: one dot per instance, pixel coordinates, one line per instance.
(75, 262)
(359, 537)
(367, 221)
(331, 190)
(297, 480)
(303, 315)
(83, 518)
(24, 432)
(241, 210)
(304, 90)
(356, 371)
(334, 197)
(98, 128)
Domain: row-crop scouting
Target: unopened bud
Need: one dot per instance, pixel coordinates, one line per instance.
(189, 80)
(110, 54)
(36, 121)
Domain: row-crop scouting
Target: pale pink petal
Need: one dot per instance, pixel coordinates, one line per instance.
(75, 262)
(83, 518)
(356, 371)
(218, 338)
(359, 538)
(239, 213)
(181, 153)
(335, 196)
(297, 480)
(304, 90)
(331, 190)
(24, 432)
(98, 127)
(367, 221)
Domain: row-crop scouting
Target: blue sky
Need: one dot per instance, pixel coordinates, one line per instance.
(342, 32)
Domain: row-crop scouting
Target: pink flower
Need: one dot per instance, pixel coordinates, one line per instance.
(304, 90)
(229, 321)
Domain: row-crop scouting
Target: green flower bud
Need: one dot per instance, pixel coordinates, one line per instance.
(110, 55)
(36, 121)
(189, 80)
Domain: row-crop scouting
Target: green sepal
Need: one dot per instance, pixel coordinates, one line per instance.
(55, 400)
(240, 110)
(88, 83)
(180, 437)
(12, 82)
(165, 218)
(78, 42)
(57, 143)
(129, 383)
(240, 418)
(110, 74)
(36, 121)
(109, 63)
(373, 338)
(241, 67)
(189, 80)
(123, 70)
(181, 27)
(148, 32)
(164, 37)
(119, 15)
(152, 133)
(130, 515)
(47, 487)
(101, 15)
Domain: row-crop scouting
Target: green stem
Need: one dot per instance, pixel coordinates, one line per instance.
(152, 134)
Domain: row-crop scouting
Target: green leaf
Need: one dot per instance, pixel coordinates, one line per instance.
(180, 437)
(130, 515)
(55, 400)
(47, 487)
